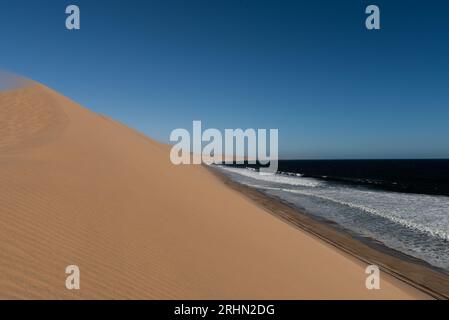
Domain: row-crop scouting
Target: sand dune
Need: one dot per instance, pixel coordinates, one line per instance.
(79, 188)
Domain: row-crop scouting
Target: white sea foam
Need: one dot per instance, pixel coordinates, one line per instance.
(275, 178)
(431, 229)
(415, 224)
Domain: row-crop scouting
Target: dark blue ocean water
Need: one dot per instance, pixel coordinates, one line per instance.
(403, 204)
(416, 176)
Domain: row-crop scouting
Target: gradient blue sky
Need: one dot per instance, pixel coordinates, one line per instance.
(309, 68)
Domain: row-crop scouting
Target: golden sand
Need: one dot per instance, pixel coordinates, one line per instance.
(77, 188)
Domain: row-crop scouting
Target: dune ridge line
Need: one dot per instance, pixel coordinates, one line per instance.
(79, 188)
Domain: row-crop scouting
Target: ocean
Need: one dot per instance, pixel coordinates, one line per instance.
(403, 204)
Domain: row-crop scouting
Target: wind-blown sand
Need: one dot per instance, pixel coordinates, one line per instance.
(79, 188)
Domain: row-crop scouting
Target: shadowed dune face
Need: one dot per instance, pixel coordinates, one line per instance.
(79, 188)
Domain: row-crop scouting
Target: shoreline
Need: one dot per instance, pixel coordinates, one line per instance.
(412, 271)
(139, 227)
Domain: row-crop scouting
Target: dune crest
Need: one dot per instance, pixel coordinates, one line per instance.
(30, 116)
(9, 81)
(77, 188)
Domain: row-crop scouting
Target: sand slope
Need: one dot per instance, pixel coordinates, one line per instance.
(79, 188)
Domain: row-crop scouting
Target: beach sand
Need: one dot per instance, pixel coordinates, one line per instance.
(77, 188)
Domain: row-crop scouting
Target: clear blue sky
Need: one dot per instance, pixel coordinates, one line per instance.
(309, 68)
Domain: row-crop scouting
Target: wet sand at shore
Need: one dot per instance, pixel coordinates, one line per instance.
(413, 271)
(78, 188)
